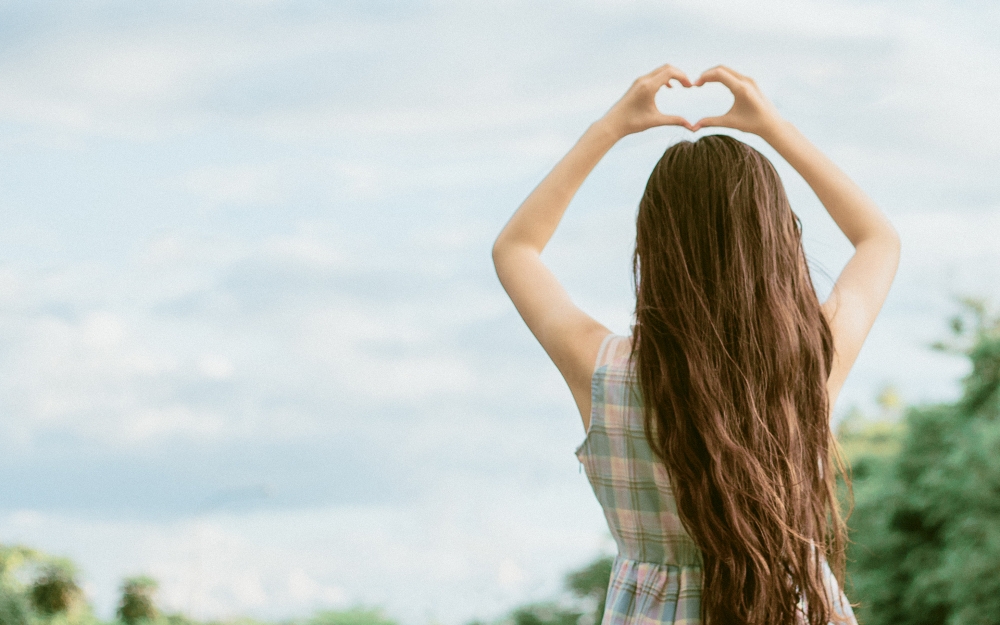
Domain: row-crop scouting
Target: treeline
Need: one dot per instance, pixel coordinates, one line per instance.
(37, 589)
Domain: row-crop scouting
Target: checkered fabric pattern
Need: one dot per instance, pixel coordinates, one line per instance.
(656, 577)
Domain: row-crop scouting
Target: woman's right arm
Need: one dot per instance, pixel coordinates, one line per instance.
(864, 283)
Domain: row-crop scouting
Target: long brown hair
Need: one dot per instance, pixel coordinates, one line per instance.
(732, 354)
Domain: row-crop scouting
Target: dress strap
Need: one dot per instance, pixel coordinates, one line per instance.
(614, 349)
(604, 354)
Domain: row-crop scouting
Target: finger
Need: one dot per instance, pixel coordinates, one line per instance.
(706, 74)
(719, 74)
(675, 120)
(743, 77)
(658, 70)
(665, 73)
(715, 74)
(706, 122)
(668, 72)
(734, 72)
(674, 74)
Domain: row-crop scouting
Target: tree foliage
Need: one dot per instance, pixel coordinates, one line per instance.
(592, 582)
(55, 590)
(137, 603)
(926, 527)
(14, 608)
(589, 587)
(36, 588)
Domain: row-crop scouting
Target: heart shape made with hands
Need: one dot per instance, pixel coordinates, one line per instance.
(693, 103)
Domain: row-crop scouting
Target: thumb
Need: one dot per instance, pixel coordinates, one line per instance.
(709, 121)
(675, 120)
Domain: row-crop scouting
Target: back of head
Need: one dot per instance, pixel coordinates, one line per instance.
(732, 354)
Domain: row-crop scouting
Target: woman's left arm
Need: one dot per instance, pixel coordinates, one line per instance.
(569, 336)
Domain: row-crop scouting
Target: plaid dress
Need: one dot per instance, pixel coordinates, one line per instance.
(656, 577)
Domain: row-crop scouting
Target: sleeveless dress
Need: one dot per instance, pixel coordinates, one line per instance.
(656, 576)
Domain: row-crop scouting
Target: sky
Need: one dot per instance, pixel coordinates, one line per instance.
(251, 339)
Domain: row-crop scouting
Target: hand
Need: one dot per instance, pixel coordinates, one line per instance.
(637, 111)
(751, 111)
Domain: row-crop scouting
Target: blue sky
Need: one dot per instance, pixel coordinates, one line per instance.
(251, 338)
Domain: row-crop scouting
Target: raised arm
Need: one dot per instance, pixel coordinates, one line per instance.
(569, 336)
(864, 283)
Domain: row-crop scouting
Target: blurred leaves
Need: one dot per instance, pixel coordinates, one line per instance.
(137, 603)
(55, 590)
(926, 526)
(588, 587)
(14, 608)
(545, 614)
(354, 616)
(592, 582)
(37, 589)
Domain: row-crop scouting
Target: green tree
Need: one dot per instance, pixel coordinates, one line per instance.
(55, 590)
(592, 582)
(137, 603)
(589, 583)
(926, 527)
(15, 609)
(14, 558)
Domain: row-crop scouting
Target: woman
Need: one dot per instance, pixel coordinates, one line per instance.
(708, 436)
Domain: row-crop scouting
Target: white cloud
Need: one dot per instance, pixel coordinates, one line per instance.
(216, 366)
(145, 81)
(304, 588)
(510, 576)
(959, 239)
(811, 18)
(239, 185)
(143, 425)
